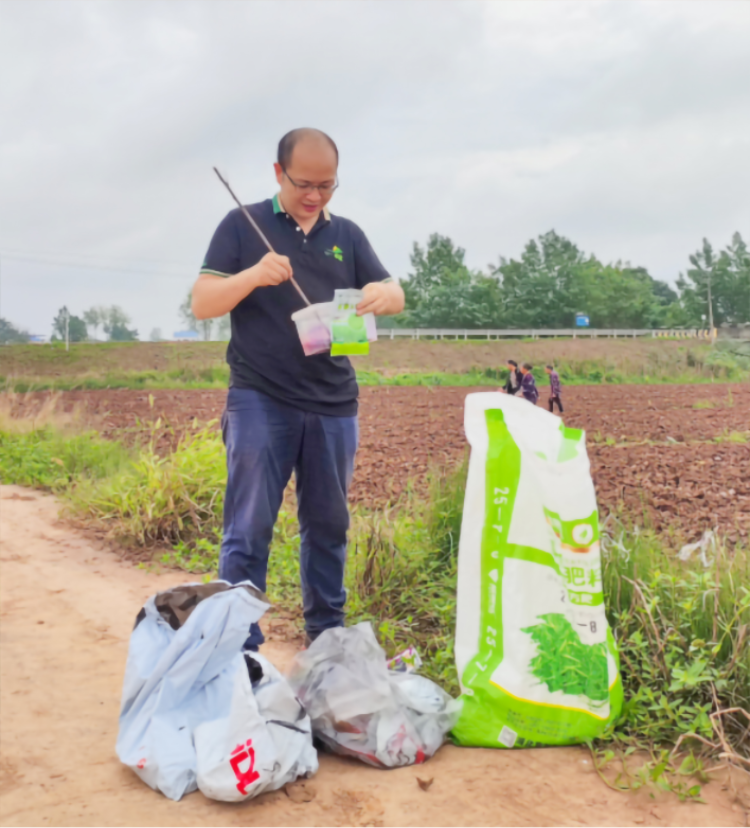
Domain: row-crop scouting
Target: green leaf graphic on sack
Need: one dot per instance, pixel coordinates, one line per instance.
(563, 662)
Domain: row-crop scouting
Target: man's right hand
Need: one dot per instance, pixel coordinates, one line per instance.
(272, 269)
(216, 295)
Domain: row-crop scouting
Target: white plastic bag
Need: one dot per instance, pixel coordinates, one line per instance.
(708, 541)
(360, 708)
(191, 716)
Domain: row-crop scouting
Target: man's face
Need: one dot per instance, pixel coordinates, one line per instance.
(312, 162)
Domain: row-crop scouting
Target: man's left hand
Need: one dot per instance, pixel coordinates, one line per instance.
(381, 298)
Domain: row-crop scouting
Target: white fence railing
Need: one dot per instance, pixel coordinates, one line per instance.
(538, 333)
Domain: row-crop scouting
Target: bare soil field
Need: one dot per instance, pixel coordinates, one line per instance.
(675, 457)
(67, 610)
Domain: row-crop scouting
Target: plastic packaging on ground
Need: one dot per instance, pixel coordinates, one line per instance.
(360, 708)
(706, 543)
(536, 659)
(406, 662)
(198, 713)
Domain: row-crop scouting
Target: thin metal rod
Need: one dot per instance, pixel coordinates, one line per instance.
(259, 232)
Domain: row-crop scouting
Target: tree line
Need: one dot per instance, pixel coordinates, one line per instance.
(546, 287)
(112, 320)
(554, 279)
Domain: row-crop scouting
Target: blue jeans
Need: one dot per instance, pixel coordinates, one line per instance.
(265, 441)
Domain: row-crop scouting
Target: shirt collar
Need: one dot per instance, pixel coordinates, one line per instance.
(278, 207)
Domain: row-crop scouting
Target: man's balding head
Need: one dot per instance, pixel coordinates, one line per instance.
(303, 135)
(307, 172)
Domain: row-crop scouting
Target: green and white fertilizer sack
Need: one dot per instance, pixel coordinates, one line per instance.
(536, 659)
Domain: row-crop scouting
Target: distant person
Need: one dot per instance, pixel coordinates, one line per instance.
(528, 385)
(554, 388)
(513, 383)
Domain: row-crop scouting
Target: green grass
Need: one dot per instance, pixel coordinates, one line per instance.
(150, 366)
(570, 374)
(681, 630)
(211, 377)
(681, 627)
(49, 459)
(727, 436)
(218, 378)
(171, 499)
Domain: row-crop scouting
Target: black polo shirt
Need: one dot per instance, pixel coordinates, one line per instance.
(264, 351)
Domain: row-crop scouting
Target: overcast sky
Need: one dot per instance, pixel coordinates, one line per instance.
(622, 125)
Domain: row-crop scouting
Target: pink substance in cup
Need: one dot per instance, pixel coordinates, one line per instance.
(314, 328)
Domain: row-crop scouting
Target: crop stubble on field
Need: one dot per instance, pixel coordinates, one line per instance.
(652, 452)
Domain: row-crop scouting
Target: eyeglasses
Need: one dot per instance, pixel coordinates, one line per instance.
(324, 189)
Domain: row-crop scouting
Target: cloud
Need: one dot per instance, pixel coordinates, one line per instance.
(625, 126)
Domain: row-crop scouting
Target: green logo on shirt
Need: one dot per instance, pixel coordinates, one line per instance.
(336, 252)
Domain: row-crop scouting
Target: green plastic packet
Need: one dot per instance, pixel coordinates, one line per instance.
(348, 331)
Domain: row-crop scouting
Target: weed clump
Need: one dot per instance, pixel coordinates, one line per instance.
(176, 499)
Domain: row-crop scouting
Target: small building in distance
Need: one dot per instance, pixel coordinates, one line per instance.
(185, 336)
(37, 339)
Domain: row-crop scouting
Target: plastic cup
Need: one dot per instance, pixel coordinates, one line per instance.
(314, 327)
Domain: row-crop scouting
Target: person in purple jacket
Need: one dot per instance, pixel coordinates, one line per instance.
(528, 386)
(554, 388)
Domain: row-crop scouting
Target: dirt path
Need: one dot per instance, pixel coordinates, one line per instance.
(67, 611)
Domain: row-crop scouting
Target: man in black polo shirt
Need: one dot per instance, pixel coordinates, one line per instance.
(286, 411)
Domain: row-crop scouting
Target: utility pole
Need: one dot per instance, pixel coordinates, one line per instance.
(710, 310)
(67, 329)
